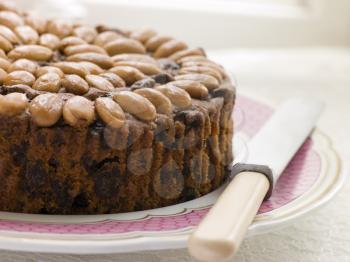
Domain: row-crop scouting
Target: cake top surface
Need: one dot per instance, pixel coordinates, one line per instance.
(53, 69)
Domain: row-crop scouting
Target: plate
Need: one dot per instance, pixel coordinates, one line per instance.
(311, 179)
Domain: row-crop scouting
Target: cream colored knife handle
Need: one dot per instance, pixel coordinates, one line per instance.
(221, 232)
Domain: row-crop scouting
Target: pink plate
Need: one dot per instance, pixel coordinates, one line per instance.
(307, 176)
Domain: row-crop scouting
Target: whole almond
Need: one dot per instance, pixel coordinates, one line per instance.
(36, 22)
(114, 79)
(124, 45)
(147, 82)
(193, 58)
(72, 68)
(95, 93)
(104, 28)
(23, 64)
(4, 64)
(75, 84)
(201, 70)
(187, 52)
(5, 44)
(79, 111)
(110, 112)
(3, 54)
(77, 24)
(50, 41)
(19, 77)
(92, 68)
(8, 6)
(99, 82)
(59, 28)
(46, 109)
(8, 34)
(31, 52)
(146, 68)
(27, 34)
(194, 88)
(3, 76)
(104, 61)
(10, 19)
(209, 81)
(50, 82)
(48, 69)
(178, 97)
(135, 58)
(160, 101)
(13, 104)
(143, 35)
(70, 41)
(129, 74)
(169, 48)
(136, 105)
(210, 64)
(84, 48)
(155, 42)
(105, 37)
(86, 33)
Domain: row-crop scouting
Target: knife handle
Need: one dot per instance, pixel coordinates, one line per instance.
(221, 232)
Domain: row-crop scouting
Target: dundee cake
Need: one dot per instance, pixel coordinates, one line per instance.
(100, 120)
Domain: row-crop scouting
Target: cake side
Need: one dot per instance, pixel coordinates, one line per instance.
(102, 120)
(65, 170)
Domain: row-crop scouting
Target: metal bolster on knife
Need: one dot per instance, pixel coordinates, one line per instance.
(262, 169)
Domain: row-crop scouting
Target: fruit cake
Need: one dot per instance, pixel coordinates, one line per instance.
(97, 120)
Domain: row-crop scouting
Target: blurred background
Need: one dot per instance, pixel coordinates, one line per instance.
(218, 23)
(276, 49)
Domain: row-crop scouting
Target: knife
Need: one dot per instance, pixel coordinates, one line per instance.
(256, 172)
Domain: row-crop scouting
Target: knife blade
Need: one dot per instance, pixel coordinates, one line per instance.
(283, 134)
(221, 232)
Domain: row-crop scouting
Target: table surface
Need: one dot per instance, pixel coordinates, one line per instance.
(275, 75)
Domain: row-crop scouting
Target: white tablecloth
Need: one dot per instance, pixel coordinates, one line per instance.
(323, 236)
